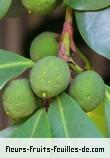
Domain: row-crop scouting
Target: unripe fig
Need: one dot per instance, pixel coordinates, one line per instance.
(87, 89)
(18, 99)
(44, 45)
(40, 6)
(4, 7)
(49, 77)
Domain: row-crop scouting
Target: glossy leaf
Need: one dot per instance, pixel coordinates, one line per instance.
(107, 108)
(12, 65)
(95, 30)
(87, 4)
(98, 117)
(6, 133)
(37, 126)
(4, 7)
(68, 120)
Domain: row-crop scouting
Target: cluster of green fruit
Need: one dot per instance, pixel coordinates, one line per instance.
(49, 77)
(17, 7)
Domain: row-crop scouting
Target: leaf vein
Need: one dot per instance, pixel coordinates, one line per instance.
(63, 118)
(15, 64)
(36, 124)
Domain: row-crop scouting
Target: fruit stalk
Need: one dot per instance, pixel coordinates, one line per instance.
(67, 37)
(87, 63)
(67, 43)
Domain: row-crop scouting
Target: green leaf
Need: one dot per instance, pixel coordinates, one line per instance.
(12, 65)
(37, 126)
(95, 30)
(4, 7)
(107, 108)
(98, 117)
(87, 4)
(68, 120)
(6, 133)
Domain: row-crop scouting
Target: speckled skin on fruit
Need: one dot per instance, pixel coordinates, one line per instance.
(40, 6)
(44, 45)
(87, 89)
(49, 77)
(18, 99)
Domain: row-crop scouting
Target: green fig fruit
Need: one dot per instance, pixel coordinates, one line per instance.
(18, 99)
(49, 77)
(88, 89)
(44, 45)
(40, 6)
(4, 7)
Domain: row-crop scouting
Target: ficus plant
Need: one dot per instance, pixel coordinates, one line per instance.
(52, 102)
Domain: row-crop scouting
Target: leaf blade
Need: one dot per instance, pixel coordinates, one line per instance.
(89, 24)
(6, 133)
(107, 108)
(75, 120)
(98, 117)
(12, 65)
(37, 126)
(87, 4)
